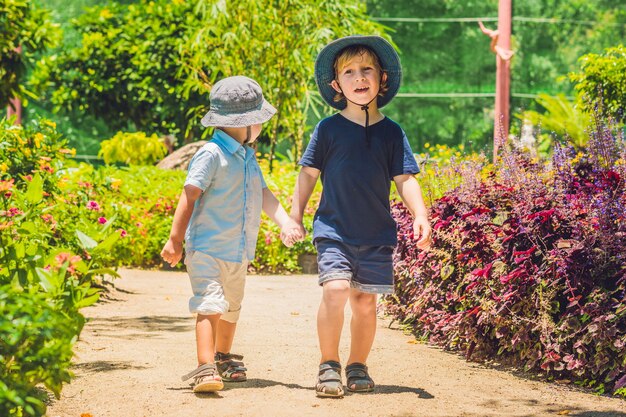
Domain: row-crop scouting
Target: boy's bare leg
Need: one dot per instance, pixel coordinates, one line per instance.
(206, 330)
(330, 317)
(225, 336)
(362, 325)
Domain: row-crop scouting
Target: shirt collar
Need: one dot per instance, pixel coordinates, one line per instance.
(226, 141)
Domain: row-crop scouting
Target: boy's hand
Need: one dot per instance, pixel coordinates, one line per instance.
(421, 228)
(172, 252)
(292, 232)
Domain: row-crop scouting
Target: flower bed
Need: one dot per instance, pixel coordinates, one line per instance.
(528, 265)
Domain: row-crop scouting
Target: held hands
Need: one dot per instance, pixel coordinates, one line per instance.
(292, 232)
(172, 252)
(421, 228)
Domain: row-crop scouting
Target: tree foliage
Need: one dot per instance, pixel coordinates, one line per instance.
(152, 64)
(562, 117)
(274, 42)
(23, 25)
(602, 82)
(125, 70)
(454, 57)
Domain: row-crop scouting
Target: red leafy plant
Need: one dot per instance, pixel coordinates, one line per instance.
(528, 265)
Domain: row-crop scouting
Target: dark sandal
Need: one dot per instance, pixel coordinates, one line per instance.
(357, 376)
(230, 370)
(329, 380)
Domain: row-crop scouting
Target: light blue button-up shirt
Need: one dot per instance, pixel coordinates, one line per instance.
(226, 218)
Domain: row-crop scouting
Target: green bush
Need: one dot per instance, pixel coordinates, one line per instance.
(132, 149)
(140, 202)
(36, 342)
(602, 81)
(271, 255)
(24, 24)
(53, 247)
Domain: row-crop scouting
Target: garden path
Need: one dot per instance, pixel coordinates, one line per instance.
(138, 342)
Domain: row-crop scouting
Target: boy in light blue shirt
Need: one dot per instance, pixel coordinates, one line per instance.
(219, 213)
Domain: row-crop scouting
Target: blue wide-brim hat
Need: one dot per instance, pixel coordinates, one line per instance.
(325, 71)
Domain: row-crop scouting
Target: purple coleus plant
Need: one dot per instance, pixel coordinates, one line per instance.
(528, 265)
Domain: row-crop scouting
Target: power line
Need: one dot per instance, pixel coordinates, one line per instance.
(466, 95)
(460, 95)
(434, 19)
(445, 95)
(493, 19)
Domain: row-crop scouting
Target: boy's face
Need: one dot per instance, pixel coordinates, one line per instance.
(359, 79)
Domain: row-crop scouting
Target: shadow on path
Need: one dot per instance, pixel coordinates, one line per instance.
(105, 366)
(265, 383)
(150, 326)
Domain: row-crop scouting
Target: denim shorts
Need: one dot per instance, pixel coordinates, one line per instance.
(368, 268)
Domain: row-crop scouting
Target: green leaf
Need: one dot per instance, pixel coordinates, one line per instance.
(446, 271)
(85, 241)
(108, 243)
(105, 271)
(93, 294)
(50, 281)
(34, 194)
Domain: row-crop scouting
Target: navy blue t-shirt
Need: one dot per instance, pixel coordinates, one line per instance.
(356, 179)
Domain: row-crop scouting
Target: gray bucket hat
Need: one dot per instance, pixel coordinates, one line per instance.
(325, 71)
(237, 102)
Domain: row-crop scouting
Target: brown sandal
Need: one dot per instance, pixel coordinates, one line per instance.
(205, 378)
(329, 380)
(230, 370)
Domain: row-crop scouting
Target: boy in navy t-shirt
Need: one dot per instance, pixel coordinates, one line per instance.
(357, 152)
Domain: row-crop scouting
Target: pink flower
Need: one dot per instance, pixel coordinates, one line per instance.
(12, 212)
(6, 185)
(92, 205)
(102, 220)
(122, 232)
(72, 260)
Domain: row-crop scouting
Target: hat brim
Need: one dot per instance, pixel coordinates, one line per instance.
(325, 71)
(256, 116)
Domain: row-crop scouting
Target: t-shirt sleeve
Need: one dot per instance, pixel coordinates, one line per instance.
(313, 155)
(202, 168)
(403, 161)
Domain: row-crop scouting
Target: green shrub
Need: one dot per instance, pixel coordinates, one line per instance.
(271, 255)
(53, 247)
(132, 149)
(141, 200)
(36, 340)
(602, 81)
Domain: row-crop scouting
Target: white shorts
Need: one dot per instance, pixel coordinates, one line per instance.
(217, 285)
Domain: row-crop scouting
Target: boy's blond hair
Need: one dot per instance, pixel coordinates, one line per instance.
(347, 54)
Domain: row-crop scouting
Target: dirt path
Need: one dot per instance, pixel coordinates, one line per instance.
(134, 349)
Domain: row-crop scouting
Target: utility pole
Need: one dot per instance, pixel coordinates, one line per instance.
(503, 77)
(501, 46)
(15, 104)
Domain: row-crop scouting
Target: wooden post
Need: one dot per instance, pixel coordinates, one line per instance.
(15, 104)
(503, 77)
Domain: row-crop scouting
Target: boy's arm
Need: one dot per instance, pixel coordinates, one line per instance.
(173, 250)
(411, 194)
(276, 212)
(302, 192)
